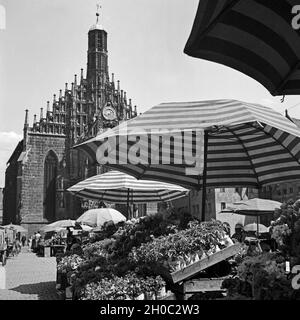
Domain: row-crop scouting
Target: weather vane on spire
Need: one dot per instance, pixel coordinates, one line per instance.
(97, 13)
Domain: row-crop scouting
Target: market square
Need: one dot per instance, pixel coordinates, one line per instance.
(180, 182)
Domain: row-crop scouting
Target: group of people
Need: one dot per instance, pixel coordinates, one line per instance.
(34, 241)
(256, 243)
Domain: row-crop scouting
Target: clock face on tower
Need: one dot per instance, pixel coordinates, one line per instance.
(109, 112)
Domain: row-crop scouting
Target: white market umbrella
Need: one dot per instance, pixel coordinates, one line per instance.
(97, 217)
(253, 207)
(15, 227)
(259, 228)
(60, 224)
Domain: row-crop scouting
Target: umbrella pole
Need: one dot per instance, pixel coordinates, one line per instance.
(204, 175)
(128, 203)
(257, 223)
(190, 207)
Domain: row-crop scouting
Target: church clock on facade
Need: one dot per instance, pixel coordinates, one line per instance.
(87, 106)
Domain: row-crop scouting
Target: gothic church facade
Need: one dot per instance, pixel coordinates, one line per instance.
(44, 164)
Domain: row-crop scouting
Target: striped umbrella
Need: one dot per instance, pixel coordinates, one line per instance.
(255, 37)
(118, 187)
(243, 144)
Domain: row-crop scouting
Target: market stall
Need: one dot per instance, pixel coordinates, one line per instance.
(127, 255)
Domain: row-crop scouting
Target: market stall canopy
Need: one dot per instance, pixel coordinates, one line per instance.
(15, 227)
(253, 227)
(253, 207)
(86, 228)
(118, 187)
(244, 144)
(57, 225)
(257, 37)
(97, 217)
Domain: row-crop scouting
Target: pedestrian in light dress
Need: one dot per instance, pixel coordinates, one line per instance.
(29, 243)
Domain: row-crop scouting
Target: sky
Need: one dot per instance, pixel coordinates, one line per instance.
(44, 43)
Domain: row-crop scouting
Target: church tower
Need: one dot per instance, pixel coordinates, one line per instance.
(97, 62)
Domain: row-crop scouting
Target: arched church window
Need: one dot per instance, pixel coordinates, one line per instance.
(50, 174)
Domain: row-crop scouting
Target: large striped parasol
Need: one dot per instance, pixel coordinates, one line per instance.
(243, 144)
(118, 187)
(256, 37)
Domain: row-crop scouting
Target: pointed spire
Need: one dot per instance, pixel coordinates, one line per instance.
(34, 119)
(54, 98)
(130, 103)
(125, 97)
(26, 118)
(66, 88)
(48, 106)
(130, 111)
(75, 79)
(97, 13)
(113, 78)
(118, 87)
(42, 114)
(135, 110)
(81, 74)
(60, 94)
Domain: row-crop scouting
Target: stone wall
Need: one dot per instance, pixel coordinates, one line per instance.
(32, 185)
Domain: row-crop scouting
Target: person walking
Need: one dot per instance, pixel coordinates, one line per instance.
(23, 240)
(30, 244)
(70, 238)
(33, 243)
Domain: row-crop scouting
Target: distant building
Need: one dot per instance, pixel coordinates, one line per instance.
(217, 200)
(44, 165)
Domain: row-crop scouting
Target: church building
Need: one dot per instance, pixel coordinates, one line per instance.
(44, 164)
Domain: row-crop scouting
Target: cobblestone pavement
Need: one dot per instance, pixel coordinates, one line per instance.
(29, 277)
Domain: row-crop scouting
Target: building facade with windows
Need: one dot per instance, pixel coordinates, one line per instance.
(217, 199)
(44, 164)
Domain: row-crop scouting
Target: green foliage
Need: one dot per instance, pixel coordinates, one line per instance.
(286, 229)
(261, 278)
(129, 286)
(175, 251)
(105, 264)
